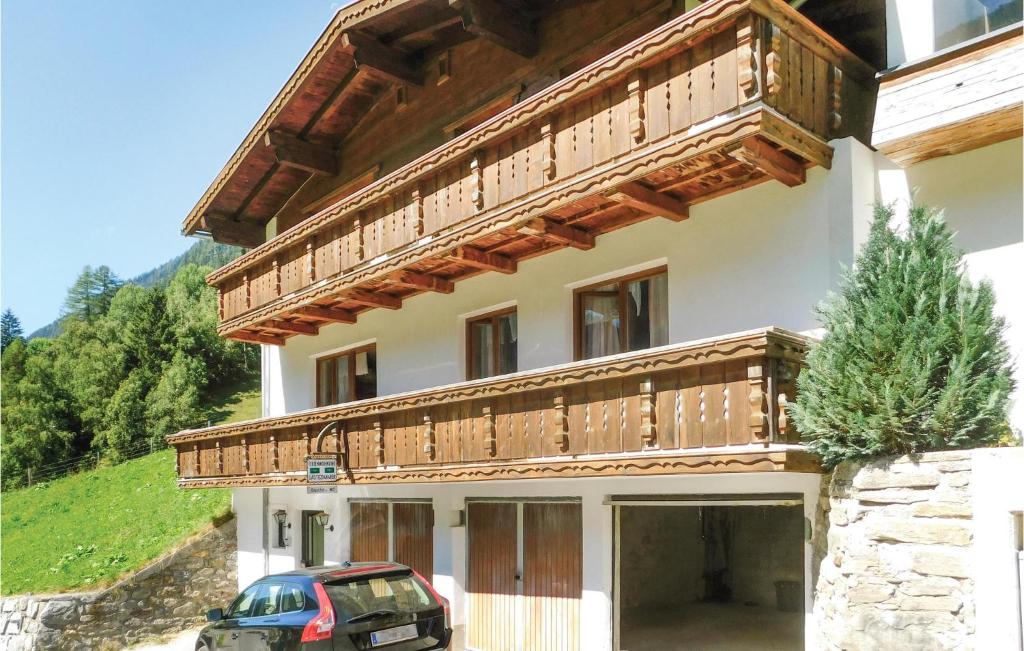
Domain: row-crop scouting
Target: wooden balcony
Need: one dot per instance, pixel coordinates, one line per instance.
(734, 93)
(707, 406)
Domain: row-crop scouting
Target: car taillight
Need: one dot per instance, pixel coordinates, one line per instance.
(441, 600)
(320, 627)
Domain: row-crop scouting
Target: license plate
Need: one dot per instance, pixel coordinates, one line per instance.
(392, 635)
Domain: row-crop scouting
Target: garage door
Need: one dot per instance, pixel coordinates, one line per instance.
(525, 575)
(402, 532)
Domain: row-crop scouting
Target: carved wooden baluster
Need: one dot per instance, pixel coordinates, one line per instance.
(195, 447)
(746, 55)
(786, 386)
(429, 447)
(277, 276)
(490, 439)
(248, 290)
(648, 425)
(547, 137)
(245, 456)
(274, 464)
(417, 210)
(311, 259)
(476, 170)
(378, 439)
(636, 88)
(220, 303)
(757, 398)
(561, 427)
(357, 225)
(773, 62)
(306, 442)
(836, 101)
(220, 458)
(177, 462)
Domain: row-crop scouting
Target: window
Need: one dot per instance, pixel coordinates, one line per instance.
(622, 315)
(401, 593)
(352, 375)
(243, 603)
(959, 21)
(492, 342)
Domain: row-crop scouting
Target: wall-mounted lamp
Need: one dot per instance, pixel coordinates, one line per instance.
(322, 519)
(281, 518)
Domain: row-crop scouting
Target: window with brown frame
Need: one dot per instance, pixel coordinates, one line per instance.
(348, 376)
(622, 315)
(491, 344)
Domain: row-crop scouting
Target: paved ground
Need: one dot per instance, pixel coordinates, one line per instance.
(185, 641)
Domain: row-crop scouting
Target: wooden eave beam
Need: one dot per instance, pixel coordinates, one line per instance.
(559, 233)
(499, 23)
(290, 326)
(425, 26)
(368, 52)
(643, 198)
(253, 338)
(333, 314)
(294, 152)
(474, 257)
(426, 282)
(372, 299)
(760, 154)
(230, 231)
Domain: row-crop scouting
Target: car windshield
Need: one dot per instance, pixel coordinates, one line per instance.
(399, 593)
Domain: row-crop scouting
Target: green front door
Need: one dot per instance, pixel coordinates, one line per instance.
(312, 540)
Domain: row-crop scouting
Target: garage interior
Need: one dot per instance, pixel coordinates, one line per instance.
(710, 576)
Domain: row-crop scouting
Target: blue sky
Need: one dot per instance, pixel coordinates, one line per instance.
(115, 118)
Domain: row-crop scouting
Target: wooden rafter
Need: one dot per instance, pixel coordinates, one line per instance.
(290, 326)
(499, 23)
(559, 233)
(254, 338)
(427, 282)
(294, 152)
(231, 231)
(368, 52)
(333, 314)
(643, 198)
(424, 26)
(374, 299)
(474, 257)
(759, 153)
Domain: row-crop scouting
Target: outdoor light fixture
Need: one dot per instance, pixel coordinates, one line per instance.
(322, 519)
(281, 518)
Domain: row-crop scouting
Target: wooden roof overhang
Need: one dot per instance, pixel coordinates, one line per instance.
(780, 90)
(673, 418)
(367, 47)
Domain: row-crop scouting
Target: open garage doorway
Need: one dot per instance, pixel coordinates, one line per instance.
(722, 572)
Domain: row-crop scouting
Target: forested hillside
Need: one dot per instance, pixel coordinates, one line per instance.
(204, 253)
(131, 364)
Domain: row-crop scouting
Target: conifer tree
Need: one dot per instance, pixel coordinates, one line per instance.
(10, 329)
(913, 358)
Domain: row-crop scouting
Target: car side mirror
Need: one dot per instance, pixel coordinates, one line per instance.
(215, 615)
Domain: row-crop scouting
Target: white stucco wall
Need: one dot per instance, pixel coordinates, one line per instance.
(763, 256)
(450, 561)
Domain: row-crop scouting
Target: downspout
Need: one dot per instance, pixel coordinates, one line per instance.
(266, 531)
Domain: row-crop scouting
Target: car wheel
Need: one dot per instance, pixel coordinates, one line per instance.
(201, 646)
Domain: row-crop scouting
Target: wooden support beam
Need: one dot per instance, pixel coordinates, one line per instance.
(641, 197)
(372, 299)
(423, 26)
(368, 52)
(474, 257)
(253, 338)
(332, 314)
(560, 233)
(290, 326)
(499, 23)
(229, 231)
(294, 152)
(427, 282)
(760, 154)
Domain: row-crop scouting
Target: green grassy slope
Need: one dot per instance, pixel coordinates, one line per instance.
(86, 530)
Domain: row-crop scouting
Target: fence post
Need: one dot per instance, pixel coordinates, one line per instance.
(30, 477)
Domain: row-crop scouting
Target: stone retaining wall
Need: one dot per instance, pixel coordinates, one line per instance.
(170, 595)
(893, 558)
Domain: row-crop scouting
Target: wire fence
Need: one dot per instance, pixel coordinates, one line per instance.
(92, 460)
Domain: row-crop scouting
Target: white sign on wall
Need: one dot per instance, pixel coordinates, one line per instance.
(322, 470)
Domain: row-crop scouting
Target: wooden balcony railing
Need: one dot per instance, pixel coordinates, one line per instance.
(731, 94)
(708, 406)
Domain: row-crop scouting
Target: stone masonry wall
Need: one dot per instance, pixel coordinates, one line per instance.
(893, 554)
(170, 595)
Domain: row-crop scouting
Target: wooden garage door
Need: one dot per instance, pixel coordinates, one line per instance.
(402, 532)
(535, 608)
